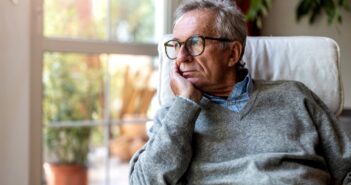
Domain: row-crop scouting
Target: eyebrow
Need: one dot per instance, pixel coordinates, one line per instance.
(196, 34)
(174, 38)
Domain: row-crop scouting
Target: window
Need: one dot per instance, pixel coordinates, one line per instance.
(98, 65)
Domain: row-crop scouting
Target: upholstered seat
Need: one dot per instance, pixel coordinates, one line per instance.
(313, 61)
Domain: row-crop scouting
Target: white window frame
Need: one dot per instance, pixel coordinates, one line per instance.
(39, 45)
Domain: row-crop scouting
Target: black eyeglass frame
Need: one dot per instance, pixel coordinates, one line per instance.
(204, 38)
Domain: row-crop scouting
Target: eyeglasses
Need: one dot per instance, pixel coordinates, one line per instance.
(194, 44)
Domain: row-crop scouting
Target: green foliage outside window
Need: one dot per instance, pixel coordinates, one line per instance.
(314, 8)
(75, 20)
(305, 8)
(122, 20)
(73, 84)
(72, 92)
(132, 20)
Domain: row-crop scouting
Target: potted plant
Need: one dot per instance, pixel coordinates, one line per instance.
(70, 147)
(72, 92)
(255, 10)
(314, 8)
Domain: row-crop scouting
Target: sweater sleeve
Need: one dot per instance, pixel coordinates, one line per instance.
(335, 144)
(166, 156)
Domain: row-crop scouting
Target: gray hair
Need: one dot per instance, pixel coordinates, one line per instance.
(230, 21)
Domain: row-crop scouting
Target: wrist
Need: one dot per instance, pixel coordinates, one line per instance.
(196, 96)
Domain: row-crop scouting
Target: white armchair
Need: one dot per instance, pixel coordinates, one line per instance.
(313, 61)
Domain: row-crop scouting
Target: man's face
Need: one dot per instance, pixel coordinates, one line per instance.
(210, 70)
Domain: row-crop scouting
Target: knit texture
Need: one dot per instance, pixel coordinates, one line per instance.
(284, 135)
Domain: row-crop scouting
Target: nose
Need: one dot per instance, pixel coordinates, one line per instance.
(183, 55)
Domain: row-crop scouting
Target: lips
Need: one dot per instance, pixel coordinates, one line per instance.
(188, 73)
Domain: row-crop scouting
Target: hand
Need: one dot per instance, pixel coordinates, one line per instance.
(181, 86)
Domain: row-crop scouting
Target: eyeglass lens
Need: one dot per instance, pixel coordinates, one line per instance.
(195, 46)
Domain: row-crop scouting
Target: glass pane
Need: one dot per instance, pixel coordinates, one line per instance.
(98, 157)
(73, 90)
(128, 138)
(133, 21)
(73, 87)
(119, 172)
(75, 18)
(121, 20)
(132, 86)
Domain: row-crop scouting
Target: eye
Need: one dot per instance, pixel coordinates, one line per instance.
(195, 45)
(194, 41)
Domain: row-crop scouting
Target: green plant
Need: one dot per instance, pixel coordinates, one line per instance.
(315, 8)
(68, 145)
(257, 9)
(72, 92)
(139, 25)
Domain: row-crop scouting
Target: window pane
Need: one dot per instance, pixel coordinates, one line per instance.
(75, 18)
(82, 91)
(133, 20)
(75, 84)
(73, 87)
(133, 81)
(127, 139)
(120, 20)
(97, 157)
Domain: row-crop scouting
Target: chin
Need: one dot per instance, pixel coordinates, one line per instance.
(194, 81)
(197, 83)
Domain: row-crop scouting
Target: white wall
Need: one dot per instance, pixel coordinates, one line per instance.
(14, 92)
(281, 22)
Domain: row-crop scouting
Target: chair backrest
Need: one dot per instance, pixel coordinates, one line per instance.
(314, 61)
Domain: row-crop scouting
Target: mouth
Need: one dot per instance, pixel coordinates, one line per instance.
(188, 73)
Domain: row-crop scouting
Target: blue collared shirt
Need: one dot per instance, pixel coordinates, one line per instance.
(239, 96)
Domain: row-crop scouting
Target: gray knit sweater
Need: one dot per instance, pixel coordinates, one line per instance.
(284, 135)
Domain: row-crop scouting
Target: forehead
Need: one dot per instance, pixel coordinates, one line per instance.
(195, 22)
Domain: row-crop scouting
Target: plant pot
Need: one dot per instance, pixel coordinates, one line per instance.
(65, 174)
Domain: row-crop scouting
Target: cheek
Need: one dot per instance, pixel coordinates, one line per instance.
(204, 67)
(212, 63)
(216, 69)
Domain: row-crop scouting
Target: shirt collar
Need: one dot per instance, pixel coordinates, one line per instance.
(240, 90)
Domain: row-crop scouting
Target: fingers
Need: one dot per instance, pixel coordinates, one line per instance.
(175, 76)
(176, 80)
(181, 86)
(175, 70)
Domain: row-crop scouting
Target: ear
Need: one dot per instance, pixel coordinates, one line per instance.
(236, 50)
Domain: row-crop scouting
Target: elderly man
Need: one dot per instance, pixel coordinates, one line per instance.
(224, 127)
